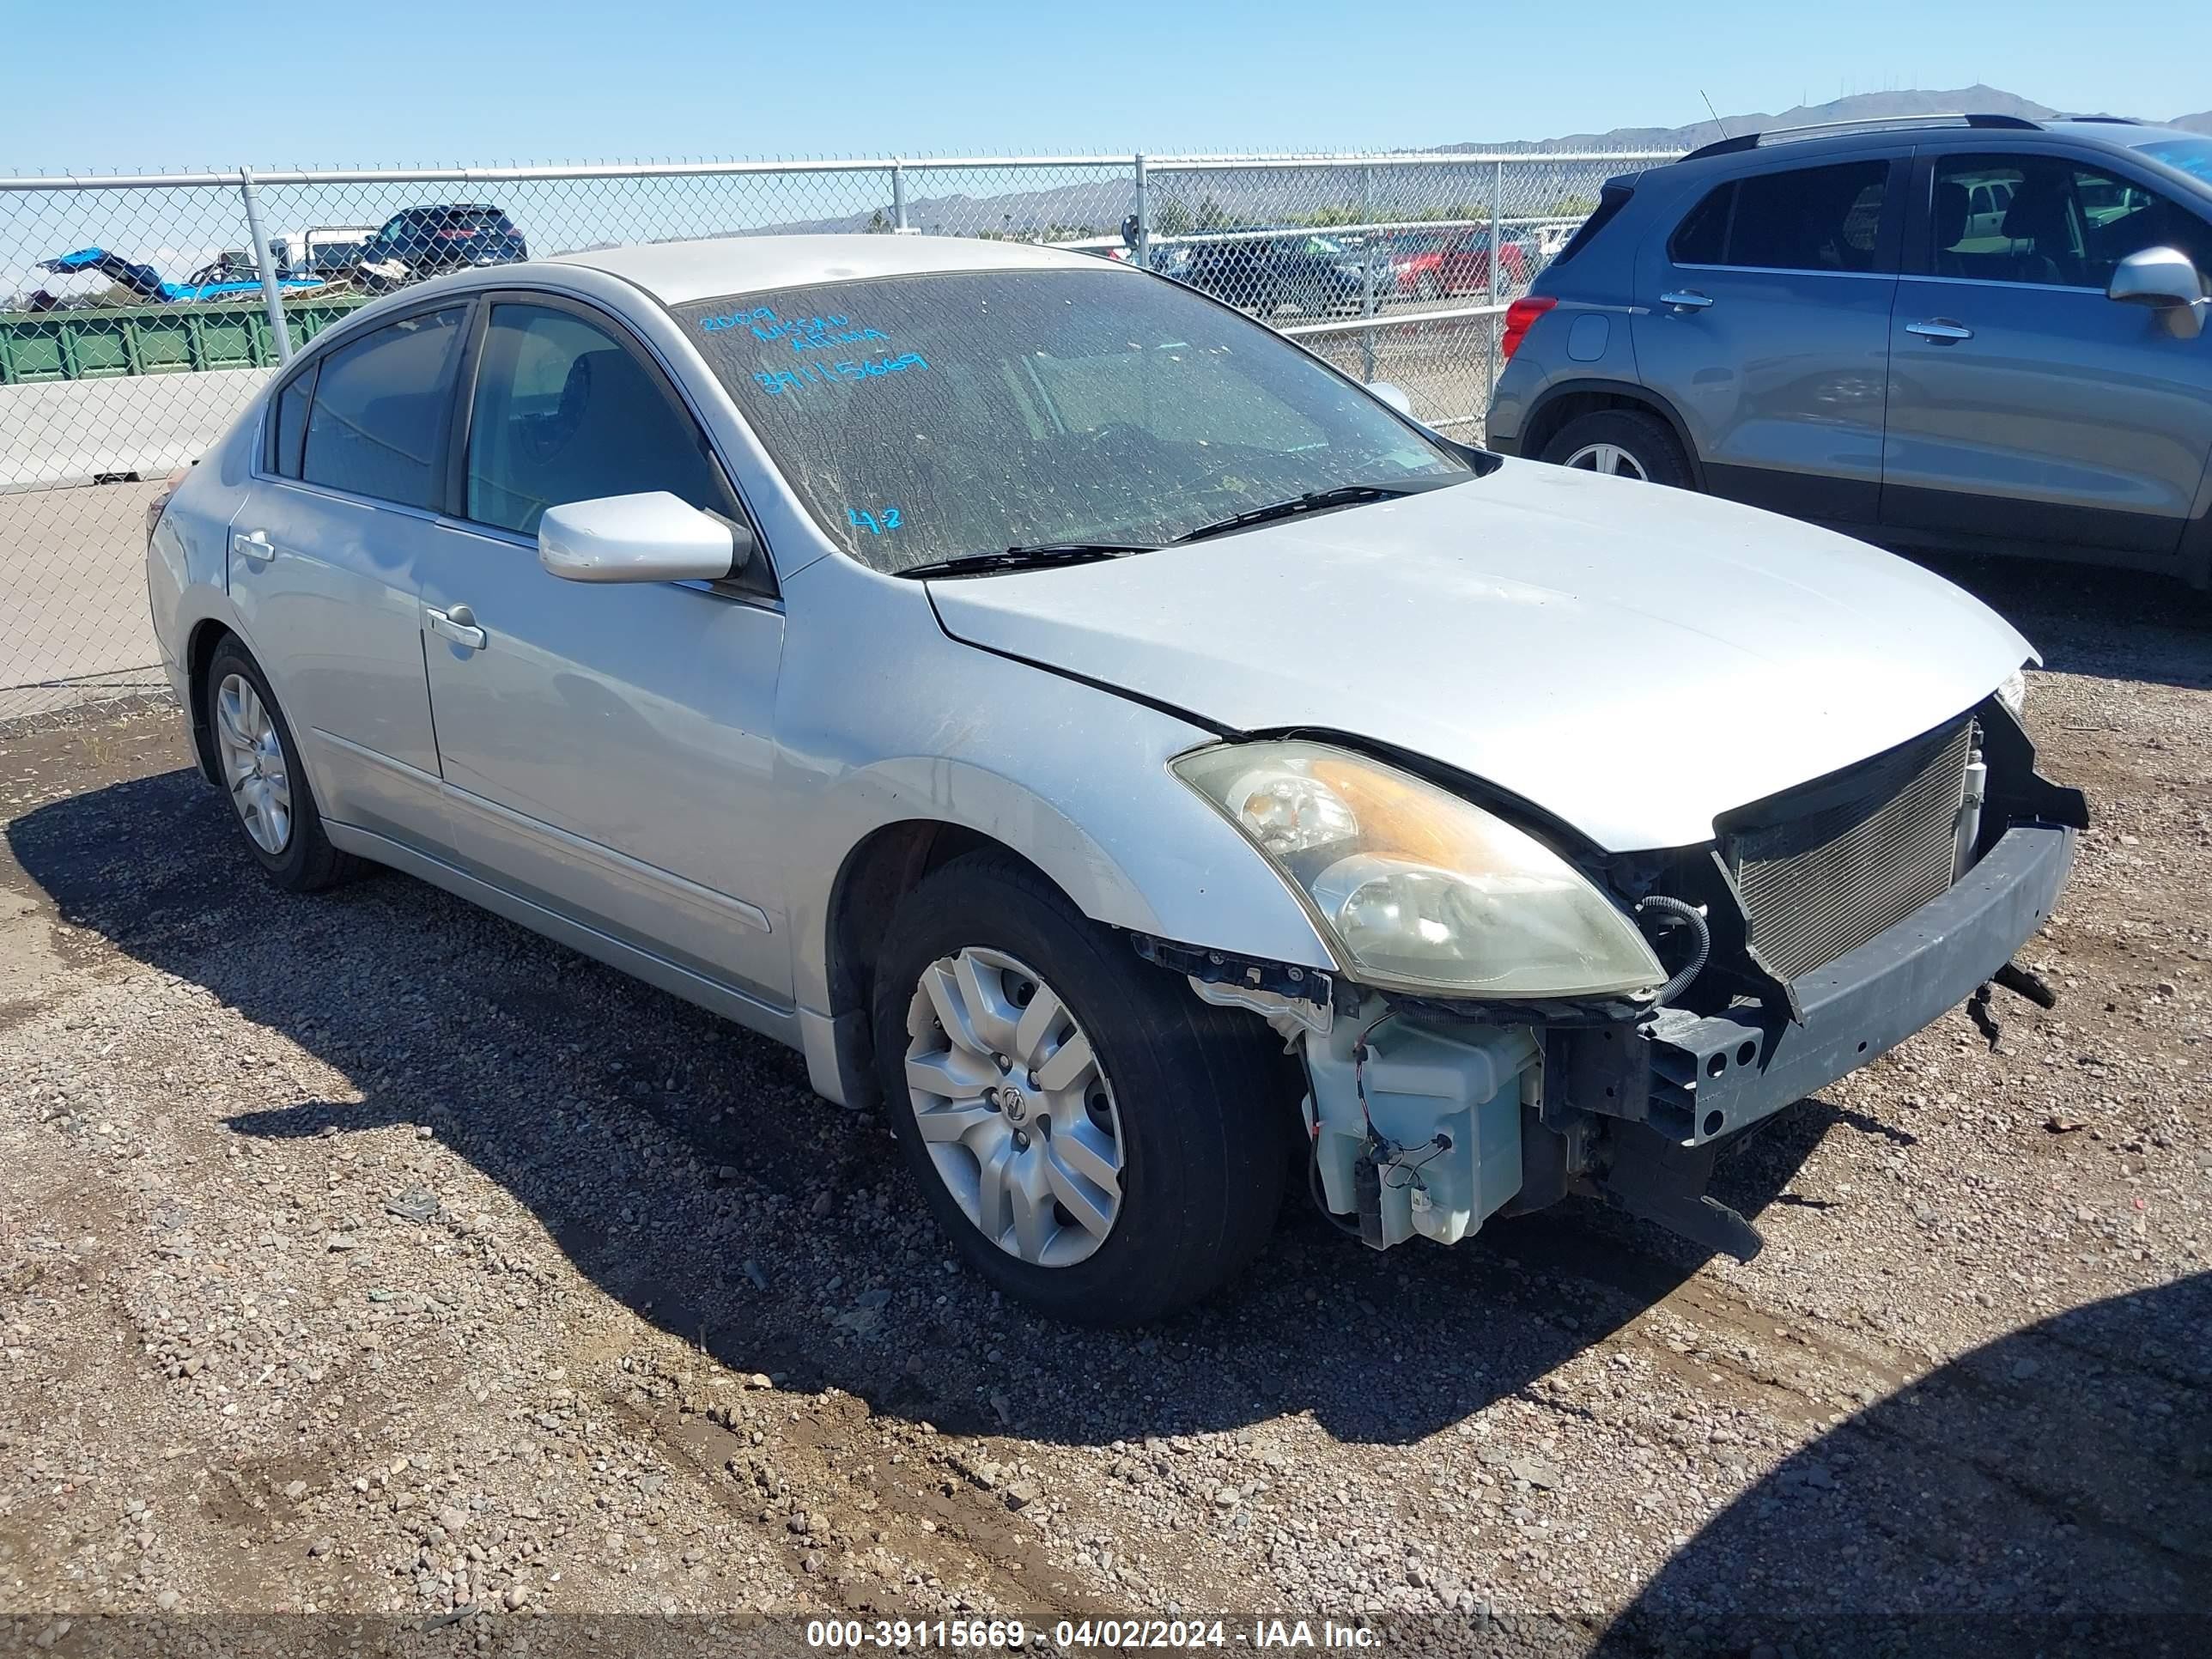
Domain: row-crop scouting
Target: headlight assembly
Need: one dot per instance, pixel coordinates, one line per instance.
(2012, 692)
(1416, 889)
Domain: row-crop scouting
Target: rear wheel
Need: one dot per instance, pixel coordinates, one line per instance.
(1094, 1140)
(1624, 443)
(261, 775)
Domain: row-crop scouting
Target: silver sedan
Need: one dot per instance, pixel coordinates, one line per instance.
(1138, 758)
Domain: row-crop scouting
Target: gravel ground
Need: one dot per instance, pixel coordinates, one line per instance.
(363, 1254)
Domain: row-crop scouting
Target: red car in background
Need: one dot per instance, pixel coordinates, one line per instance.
(1431, 265)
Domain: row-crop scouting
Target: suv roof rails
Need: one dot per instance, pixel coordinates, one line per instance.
(2115, 120)
(1745, 141)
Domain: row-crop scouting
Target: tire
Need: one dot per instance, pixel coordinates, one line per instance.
(1644, 446)
(301, 859)
(1195, 1102)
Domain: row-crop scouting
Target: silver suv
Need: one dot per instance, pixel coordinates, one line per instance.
(1908, 331)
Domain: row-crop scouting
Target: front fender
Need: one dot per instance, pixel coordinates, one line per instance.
(1068, 774)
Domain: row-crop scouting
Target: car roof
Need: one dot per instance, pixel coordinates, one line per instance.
(676, 273)
(1991, 133)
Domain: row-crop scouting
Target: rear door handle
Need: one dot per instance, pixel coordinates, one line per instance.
(1685, 299)
(254, 545)
(458, 625)
(1941, 329)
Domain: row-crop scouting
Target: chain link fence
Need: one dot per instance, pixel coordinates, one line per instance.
(139, 315)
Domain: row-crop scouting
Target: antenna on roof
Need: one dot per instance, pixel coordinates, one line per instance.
(1715, 113)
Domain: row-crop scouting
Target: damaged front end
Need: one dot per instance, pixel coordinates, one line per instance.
(1820, 928)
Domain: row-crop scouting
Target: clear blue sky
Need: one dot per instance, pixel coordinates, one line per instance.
(132, 85)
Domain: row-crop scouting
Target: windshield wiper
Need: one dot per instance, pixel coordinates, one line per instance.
(1313, 500)
(1036, 556)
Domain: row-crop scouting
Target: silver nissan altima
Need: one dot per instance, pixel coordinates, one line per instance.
(1141, 760)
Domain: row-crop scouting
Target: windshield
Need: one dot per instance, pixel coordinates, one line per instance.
(2189, 155)
(923, 418)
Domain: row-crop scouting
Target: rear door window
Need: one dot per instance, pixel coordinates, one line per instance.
(378, 424)
(1818, 219)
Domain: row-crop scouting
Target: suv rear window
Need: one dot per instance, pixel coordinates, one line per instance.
(1803, 219)
(1611, 200)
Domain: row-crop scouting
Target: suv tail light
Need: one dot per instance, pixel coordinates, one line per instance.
(1520, 316)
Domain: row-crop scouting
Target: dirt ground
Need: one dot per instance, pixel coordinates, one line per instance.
(366, 1255)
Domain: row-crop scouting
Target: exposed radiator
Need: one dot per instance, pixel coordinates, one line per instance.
(1831, 865)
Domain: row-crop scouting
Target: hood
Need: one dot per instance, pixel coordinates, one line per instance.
(1633, 660)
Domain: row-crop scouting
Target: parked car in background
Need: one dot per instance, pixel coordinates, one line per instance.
(1264, 272)
(1430, 265)
(542, 583)
(1981, 333)
(423, 241)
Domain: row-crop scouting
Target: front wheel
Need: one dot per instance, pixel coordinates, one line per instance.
(1096, 1141)
(1624, 443)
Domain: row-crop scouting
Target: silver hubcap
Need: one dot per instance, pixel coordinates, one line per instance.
(1608, 458)
(254, 763)
(1009, 1098)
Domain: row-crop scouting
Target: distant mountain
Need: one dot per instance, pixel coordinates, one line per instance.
(2194, 123)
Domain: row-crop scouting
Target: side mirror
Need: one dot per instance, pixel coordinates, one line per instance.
(652, 537)
(1384, 391)
(2166, 280)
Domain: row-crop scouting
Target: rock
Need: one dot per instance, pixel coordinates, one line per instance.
(1535, 1471)
(295, 1489)
(1227, 1498)
(337, 1242)
(516, 1595)
(2024, 1369)
(167, 1600)
(413, 1205)
(1022, 1494)
(322, 1547)
(453, 1518)
(877, 1298)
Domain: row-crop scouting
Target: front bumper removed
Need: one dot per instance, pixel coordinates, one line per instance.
(1700, 1079)
(1425, 1124)
(1676, 1083)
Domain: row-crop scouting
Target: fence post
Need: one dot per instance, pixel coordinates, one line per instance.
(1497, 253)
(898, 195)
(272, 297)
(1144, 219)
(1367, 274)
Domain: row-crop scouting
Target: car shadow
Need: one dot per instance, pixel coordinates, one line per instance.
(2048, 1493)
(686, 1170)
(2116, 624)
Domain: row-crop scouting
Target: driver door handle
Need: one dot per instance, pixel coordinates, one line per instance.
(1941, 329)
(1685, 299)
(458, 625)
(252, 545)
